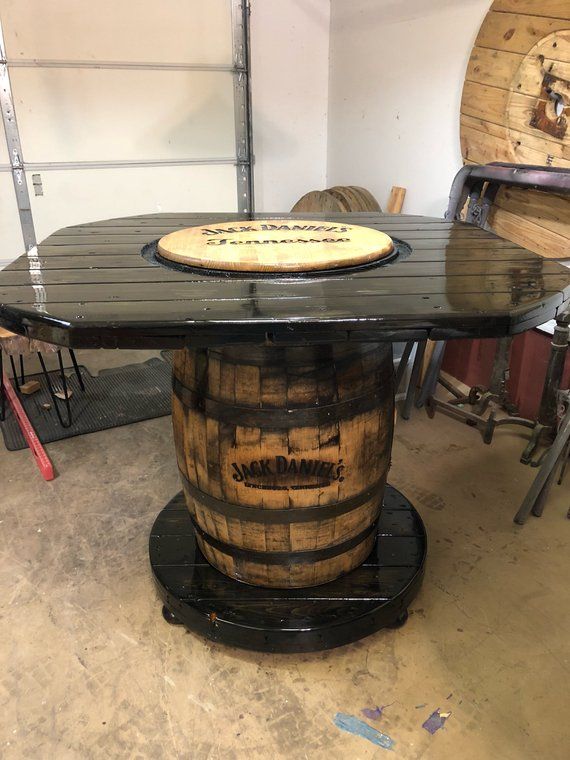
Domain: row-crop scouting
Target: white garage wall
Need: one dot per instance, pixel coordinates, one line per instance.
(123, 115)
(81, 114)
(129, 191)
(290, 52)
(75, 113)
(383, 110)
(4, 160)
(396, 76)
(11, 241)
(185, 31)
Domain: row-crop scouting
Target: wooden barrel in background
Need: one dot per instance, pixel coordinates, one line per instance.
(283, 453)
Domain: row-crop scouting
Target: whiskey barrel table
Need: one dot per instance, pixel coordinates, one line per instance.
(286, 536)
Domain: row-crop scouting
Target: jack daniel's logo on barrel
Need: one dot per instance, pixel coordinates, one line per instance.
(277, 228)
(282, 473)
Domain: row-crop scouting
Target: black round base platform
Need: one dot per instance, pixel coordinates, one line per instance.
(375, 595)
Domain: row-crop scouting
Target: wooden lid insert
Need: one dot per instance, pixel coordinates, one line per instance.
(275, 245)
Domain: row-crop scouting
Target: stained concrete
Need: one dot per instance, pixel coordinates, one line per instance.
(89, 669)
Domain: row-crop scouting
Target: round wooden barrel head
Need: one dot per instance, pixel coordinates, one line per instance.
(275, 245)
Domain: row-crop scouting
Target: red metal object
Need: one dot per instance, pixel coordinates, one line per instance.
(39, 453)
(471, 362)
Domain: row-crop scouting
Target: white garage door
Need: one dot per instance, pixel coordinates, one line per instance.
(124, 108)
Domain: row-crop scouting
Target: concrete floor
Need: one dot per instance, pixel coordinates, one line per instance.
(89, 669)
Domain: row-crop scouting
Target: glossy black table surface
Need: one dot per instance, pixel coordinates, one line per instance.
(89, 286)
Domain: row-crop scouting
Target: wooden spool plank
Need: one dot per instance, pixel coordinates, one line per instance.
(551, 8)
(275, 245)
(534, 236)
(396, 200)
(516, 108)
(315, 201)
(489, 142)
(540, 208)
(341, 199)
(515, 32)
(352, 200)
(368, 201)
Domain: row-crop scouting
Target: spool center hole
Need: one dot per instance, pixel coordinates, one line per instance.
(556, 104)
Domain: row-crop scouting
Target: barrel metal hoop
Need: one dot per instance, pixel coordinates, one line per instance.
(281, 356)
(285, 558)
(283, 516)
(250, 416)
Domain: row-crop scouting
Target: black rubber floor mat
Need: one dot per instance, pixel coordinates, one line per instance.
(113, 398)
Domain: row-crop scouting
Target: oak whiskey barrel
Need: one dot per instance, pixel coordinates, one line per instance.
(283, 454)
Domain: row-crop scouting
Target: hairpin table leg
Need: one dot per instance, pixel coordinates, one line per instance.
(67, 422)
(76, 368)
(15, 372)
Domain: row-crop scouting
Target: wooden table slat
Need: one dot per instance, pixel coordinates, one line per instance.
(89, 285)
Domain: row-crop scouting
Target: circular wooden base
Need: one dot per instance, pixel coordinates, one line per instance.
(375, 595)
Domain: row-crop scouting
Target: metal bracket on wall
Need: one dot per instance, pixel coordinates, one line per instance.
(242, 105)
(15, 150)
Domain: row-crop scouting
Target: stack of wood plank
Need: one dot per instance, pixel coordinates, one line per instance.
(338, 199)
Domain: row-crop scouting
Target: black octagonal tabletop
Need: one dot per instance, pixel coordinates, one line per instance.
(91, 286)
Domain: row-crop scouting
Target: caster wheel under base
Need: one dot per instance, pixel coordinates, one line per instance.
(373, 596)
(170, 617)
(400, 621)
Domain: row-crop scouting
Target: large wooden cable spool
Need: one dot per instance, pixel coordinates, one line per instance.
(283, 453)
(339, 199)
(275, 245)
(516, 108)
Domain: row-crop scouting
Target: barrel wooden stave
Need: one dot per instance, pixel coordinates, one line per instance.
(295, 576)
(231, 396)
(254, 533)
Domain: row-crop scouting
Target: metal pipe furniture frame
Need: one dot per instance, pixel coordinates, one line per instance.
(90, 286)
(480, 184)
(60, 385)
(473, 193)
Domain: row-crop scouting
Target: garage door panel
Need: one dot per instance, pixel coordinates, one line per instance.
(4, 160)
(102, 114)
(11, 241)
(75, 196)
(184, 31)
